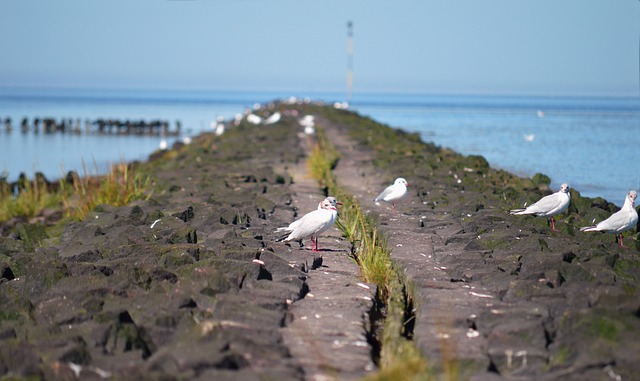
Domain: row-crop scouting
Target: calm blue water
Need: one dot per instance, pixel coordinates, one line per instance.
(591, 143)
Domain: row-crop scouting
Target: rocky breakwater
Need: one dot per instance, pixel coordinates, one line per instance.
(189, 284)
(496, 296)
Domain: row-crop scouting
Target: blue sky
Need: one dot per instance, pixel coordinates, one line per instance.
(537, 47)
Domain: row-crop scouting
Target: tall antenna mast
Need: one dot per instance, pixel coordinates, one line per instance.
(349, 60)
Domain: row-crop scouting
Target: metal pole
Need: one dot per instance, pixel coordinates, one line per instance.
(349, 60)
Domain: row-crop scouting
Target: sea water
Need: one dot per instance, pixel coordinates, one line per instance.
(590, 143)
(593, 144)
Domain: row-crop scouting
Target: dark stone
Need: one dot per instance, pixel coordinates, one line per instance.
(186, 215)
(568, 257)
(6, 272)
(136, 213)
(317, 262)
(32, 235)
(264, 274)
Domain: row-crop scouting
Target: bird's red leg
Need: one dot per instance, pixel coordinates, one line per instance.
(621, 243)
(313, 244)
(553, 224)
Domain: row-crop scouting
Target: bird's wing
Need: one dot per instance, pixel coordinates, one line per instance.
(384, 193)
(310, 224)
(292, 226)
(616, 222)
(327, 223)
(545, 205)
(397, 192)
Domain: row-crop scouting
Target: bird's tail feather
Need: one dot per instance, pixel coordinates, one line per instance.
(589, 228)
(282, 237)
(517, 211)
(282, 233)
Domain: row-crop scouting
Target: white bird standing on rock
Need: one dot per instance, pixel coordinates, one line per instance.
(393, 192)
(621, 221)
(550, 205)
(313, 223)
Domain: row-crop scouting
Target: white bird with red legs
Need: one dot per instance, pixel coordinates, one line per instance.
(619, 222)
(393, 192)
(550, 205)
(312, 224)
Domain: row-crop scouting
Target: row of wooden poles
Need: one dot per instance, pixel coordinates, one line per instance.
(98, 126)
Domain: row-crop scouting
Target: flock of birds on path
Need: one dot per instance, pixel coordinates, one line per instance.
(314, 223)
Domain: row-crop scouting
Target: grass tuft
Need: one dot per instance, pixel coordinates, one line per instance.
(118, 187)
(75, 195)
(32, 197)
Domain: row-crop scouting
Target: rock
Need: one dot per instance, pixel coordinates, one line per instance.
(32, 235)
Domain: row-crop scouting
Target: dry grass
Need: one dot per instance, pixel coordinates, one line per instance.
(32, 198)
(76, 196)
(118, 187)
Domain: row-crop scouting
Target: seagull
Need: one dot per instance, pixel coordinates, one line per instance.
(621, 221)
(393, 192)
(550, 205)
(313, 223)
(273, 118)
(309, 124)
(307, 120)
(309, 130)
(254, 119)
(219, 129)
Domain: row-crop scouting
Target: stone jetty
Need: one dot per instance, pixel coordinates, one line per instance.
(191, 285)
